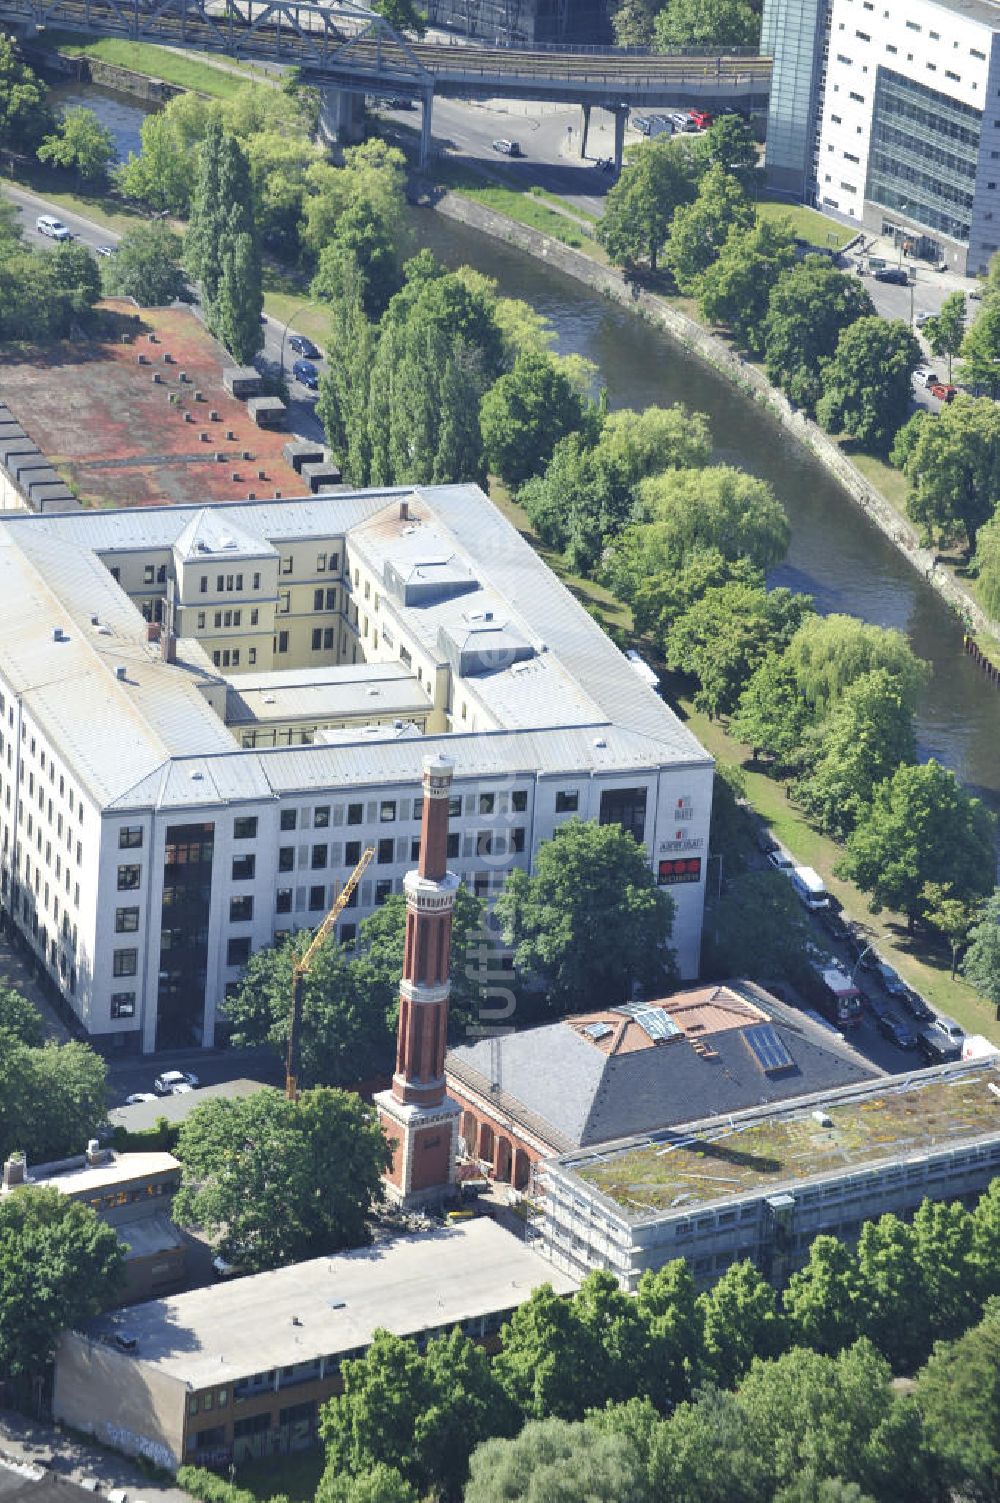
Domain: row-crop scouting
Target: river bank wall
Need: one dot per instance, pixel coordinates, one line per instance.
(751, 379)
(142, 86)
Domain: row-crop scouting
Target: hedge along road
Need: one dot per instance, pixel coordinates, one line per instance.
(836, 554)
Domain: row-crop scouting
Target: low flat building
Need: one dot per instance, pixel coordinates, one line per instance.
(133, 1193)
(240, 1369)
(638, 1068)
(763, 1183)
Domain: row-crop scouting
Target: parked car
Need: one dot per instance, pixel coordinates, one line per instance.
(944, 391)
(641, 123)
(896, 1031)
(894, 274)
(701, 118)
(780, 860)
(398, 103)
(923, 318)
(125, 1341)
(508, 148)
(305, 372)
(951, 1029)
(924, 376)
(936, 1047)
(106, 250)
(303, 346)
(766, 841)
(890, 979)
(45, 224)
(681, 120)
(916, 1006)
(164, 1084)
(138, 1097)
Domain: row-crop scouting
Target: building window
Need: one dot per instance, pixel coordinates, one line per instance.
(321, 563)
(286, 858)
(387, 811)
(283, 902)
(125, 962)
(286, 565)
(244, 868)
(484, 843)
(519, 800)
(130, 838)
(352, 853)
(486, 803)
(319, 855)
(355, 814)
(415, 850)
(288, 819)
(453, 844)
(317, 899)
(129, 878)
(238, 950)
(386, 851)
(317, 638)
(625, 807)
(126, 920)
(245, 827)
(517, 838)
(123, 1004)
(281, 642)
(321, 817)
(383, 888)
(241, 910)
(567, 801)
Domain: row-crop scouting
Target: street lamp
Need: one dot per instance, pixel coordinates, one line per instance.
(860, 958)
(288, 322)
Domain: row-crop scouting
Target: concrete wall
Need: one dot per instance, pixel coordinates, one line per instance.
(122, 1402)
(751, 379)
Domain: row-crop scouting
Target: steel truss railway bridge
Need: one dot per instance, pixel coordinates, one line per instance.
(347, 47)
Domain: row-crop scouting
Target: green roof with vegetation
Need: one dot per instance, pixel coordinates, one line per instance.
(896, 1119)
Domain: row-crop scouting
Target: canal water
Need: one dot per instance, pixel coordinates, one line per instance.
(121, 113)
(836, 554)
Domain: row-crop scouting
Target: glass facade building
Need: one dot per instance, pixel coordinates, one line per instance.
(923, 155)
(794, 33)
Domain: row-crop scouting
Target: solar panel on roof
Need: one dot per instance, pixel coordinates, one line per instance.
(768, 1048)
(597, 1030)
(653, 1021)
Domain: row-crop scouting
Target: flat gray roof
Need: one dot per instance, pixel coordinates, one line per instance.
(175, 1108)
(432, 1281)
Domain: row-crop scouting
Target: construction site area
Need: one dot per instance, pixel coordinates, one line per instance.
(144, 418)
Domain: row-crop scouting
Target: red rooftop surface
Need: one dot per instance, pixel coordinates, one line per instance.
(114, 435)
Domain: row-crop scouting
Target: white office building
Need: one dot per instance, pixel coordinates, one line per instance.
(207, 714)
(889, 114)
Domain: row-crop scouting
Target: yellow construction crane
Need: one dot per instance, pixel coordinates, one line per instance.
(301, 970)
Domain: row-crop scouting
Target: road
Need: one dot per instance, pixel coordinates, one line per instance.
(302, 419)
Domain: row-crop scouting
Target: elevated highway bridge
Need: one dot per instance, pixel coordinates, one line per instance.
(350, 48)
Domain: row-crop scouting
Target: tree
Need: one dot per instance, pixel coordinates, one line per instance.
(546, 1361)
(981, 966)
(946, 330)
(160, 175)
(730, 142)
(590, 920)
(828, 653)
(810, 305)
(274, 1181)
(897, 1314)
(667, 1300)
(615, 1327)
(422, 1415)
(706, 1453)
(950, 916)
(958, 1394)
(922, 827)
(552, 1461)
(692, 512)
(80, 143)
(402, 15)
(952, 460)
(824, 1300)
(980, 349)
(867, 382)
(363, 246)
(76, 280)
(706, 23)
(639, 208)
(772, 716)
(723, 638)
(867, 735)
(632, 23)
(240, 298)
(525, 414)
(943, 1261)
(24, 115)
(736, 290)
(382, 1484)
(344, 1038)
(758, 929)
(50, 1097)
(345, 382)
(20, 1020)
(985, 1255)
(147, 266)
(699, 229)
(987, 565)
(741, 1321)
(59, 1264)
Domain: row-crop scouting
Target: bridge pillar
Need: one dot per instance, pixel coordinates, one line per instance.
(584, 128)
(621, 115)
(342, 117)
(426, 117)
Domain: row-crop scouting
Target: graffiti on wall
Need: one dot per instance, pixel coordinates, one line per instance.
(140, 1445)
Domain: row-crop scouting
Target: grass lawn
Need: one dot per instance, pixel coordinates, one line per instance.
(100, 205)
(527, 208)
(564, 204)
(807, 223)
(296, 1476)
(307, 318)
(926, 968)
(892, 483)
(156, 62)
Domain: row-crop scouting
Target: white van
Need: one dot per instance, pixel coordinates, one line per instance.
(924, 376)
(54, 228)
(810, 888)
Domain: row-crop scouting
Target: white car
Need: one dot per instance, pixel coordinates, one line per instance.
(181, 1090)
(138, 1097)
(54, 228)
(167, 1083)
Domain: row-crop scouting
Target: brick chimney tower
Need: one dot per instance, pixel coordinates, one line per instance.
(417, 1117)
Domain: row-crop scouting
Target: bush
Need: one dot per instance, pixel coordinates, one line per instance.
(211, 1488)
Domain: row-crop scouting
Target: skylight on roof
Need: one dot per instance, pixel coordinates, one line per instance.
(768, 1048)
(654, 1021)
(597, 1030)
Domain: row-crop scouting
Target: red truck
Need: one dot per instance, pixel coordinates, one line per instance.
(943, 390)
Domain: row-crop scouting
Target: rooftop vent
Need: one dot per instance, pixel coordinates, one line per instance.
(95, 619)
(120, 671)
(59, 635)
(599, 741)
(14, 1170)
(197, 776)
(404, 511)
(269, 699)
